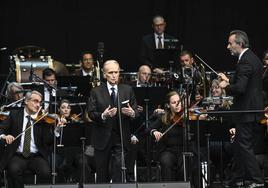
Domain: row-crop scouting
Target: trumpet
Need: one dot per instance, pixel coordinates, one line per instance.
(96, 74)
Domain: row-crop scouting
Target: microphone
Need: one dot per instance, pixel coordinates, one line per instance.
(31, 73)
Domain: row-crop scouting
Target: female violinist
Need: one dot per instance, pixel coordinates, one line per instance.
(70, 167)
(170, 144)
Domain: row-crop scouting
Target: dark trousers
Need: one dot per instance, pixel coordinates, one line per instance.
(171, 163)
(247, 164)
(35, 163)
(110, 157)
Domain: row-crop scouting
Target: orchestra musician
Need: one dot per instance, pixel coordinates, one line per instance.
(192, 75)
(87, 64)
(103, 110)
(30, 150)
(14, 91)
(71, 157)
(170, 144)
(144, 76)
(246, 87)
(49, 75)
(154, 41)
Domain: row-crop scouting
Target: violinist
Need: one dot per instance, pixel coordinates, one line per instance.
(171, 143)
(30, 150)
(71, 163)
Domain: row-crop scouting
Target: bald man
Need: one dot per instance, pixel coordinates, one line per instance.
(103, 110)
(144, 76)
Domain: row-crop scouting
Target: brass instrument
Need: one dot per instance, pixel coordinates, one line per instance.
(96, 75)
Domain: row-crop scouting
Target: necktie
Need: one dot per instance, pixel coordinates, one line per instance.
(160, 46)
(113, 97)
(27, 139)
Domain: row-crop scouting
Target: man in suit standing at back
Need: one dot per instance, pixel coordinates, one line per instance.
(154, 41)
(103, 110)
(246, 87)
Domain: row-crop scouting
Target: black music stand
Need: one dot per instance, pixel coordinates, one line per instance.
(77, 135)
(166, 57)
(83, 84)
(151, 98)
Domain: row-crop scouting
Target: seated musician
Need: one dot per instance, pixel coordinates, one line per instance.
(14, 91)
(26, 149)
(71, 158)
(144, 75)
(87, 64)
(171, 143)
(193, 75)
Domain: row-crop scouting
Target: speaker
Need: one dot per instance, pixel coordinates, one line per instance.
(164, 185)
(111, 185)
(53, 186)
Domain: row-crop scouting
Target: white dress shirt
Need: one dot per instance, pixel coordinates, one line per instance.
(156, 40)
(33, 147)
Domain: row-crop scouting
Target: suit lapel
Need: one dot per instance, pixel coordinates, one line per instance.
(106, 94)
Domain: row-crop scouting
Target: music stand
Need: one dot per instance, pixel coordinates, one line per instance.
(166, 57)
(83, 83)
(149, 96)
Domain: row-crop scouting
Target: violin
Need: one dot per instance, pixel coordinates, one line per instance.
(178, 117)
(264, 121)
(4, 115)
(75, 117)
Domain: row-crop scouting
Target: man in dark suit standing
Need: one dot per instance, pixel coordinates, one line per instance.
(103, 110)
(154, 41)
(246, 87)
(30, 150)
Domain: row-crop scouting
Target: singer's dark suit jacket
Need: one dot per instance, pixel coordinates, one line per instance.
(43, 136)
(99, 100)
(147, 49)
(246, 87)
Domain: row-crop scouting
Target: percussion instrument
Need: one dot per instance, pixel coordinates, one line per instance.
(26, 66)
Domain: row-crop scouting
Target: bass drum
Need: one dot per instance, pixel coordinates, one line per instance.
(36, 65)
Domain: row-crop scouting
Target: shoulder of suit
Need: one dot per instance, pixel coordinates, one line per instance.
(124, 86)
(148, 36)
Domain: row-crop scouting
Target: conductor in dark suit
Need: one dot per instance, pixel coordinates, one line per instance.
(246, 87)
(29, 151)
(103, 110)
(154, 41)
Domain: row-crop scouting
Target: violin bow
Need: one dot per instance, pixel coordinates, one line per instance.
(19, 135)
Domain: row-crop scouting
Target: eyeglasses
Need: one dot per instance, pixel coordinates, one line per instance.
(215, 87)
(88, 60)
(159, 25)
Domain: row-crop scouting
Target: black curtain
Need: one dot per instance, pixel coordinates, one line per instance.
(64, 28)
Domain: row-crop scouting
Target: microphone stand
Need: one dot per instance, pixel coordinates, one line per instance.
(149, 168)
(123, 165)
(51, 88)
(186, 128)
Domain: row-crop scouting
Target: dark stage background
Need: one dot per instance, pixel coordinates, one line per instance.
(65, 27)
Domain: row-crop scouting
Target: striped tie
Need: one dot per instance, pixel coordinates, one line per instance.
(27, 139)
